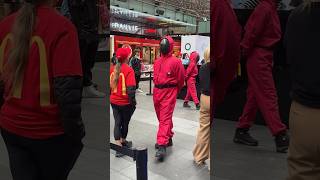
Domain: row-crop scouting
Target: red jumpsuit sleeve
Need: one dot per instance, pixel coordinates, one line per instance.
(130, 80)
(66, 55)
(180, 75)
(255, 25)
(216, 29)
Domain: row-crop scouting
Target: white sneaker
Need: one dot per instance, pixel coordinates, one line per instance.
(139, 91)
(92, 92)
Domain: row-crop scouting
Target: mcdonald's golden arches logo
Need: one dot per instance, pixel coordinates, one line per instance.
(44, 75)
(123, 80)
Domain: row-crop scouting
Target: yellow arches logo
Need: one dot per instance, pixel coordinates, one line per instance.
(44, 75)
(123, 79)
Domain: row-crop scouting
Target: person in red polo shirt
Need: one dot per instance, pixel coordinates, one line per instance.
(40, 71)
(122, 98)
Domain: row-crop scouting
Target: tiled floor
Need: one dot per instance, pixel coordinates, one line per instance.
(92, 163)
(143, 128)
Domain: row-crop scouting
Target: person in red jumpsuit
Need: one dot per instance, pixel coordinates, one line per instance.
(190, 77)
(168, 80)
(226, 36)
(262, 32)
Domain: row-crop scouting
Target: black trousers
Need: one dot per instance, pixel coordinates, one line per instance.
(50, 159)
(88, 51)
(137, 80)
(122, 116)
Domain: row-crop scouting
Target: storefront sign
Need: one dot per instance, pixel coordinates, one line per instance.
(124, 27)
(124, 12)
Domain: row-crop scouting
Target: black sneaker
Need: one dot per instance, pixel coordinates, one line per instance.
(127, 144)
(161, 153)
(186, 105)
(282, 142)
(242, 136)
(170, 143)
(198, 106)
(119, 155)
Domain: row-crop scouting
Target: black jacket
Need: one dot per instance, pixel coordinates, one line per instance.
(302, 40)
(84, 15)
(68, 94)
(204, 75)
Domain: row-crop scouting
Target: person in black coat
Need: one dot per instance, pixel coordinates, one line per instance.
(84, 15)
(302, 48)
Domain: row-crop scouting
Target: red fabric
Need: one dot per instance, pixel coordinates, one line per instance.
(117, 97)
(167, 70)
(191, 91)
(263, 27)
(104, 14)
(25, 116)
(192, 72)
(261, 92)
(164, 104)
(225, 45)
(262, 33)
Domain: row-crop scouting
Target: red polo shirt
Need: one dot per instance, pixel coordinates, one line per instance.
(119, 95)
(32, 111)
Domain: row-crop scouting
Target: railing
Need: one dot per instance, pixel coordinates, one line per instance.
(140, 155)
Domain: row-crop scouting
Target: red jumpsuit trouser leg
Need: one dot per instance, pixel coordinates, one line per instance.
(261, 92)
(164, 104)
(192, 90)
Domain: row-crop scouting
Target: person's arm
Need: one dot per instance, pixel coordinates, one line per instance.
(180, 75)
(68, 94)
(254, 28)
(67, 82)
(131, 87)
(190, 69)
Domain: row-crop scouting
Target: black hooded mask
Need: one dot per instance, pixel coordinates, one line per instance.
(165, 46)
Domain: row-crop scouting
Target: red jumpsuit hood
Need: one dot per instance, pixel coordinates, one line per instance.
(193, 57)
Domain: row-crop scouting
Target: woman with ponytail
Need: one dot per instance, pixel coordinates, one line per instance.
(122, 98)
(41, 83)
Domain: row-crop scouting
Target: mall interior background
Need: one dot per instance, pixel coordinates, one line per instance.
(142, 23)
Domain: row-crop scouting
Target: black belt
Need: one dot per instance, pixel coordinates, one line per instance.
(163, 86)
